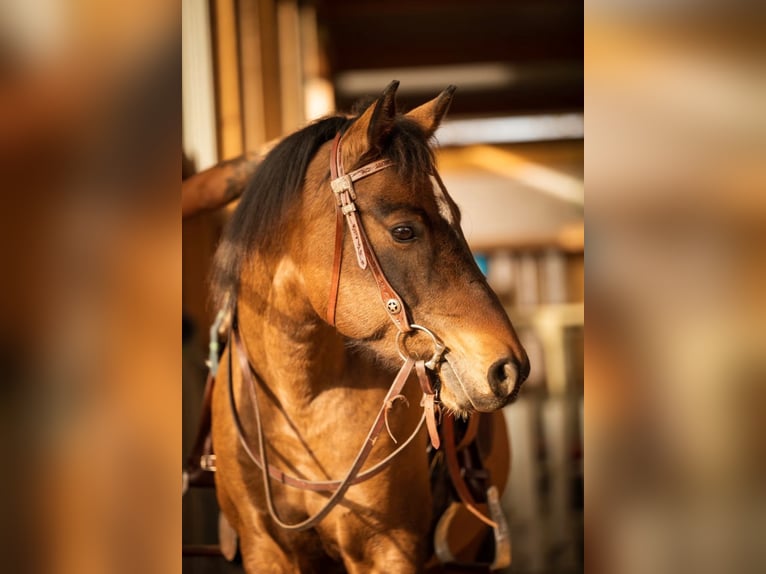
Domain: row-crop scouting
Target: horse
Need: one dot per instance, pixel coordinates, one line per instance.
(332, 279)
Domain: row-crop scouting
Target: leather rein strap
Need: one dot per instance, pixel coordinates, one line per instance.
(338, 487)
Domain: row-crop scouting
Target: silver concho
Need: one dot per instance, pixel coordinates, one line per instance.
(393, 306)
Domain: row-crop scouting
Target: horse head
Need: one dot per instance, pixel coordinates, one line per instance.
(413, 227)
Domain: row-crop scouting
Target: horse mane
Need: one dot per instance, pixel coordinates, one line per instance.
(276, 184)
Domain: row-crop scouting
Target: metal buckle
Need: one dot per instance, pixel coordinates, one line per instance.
(439, 347)
(341, 184)
(207, 462)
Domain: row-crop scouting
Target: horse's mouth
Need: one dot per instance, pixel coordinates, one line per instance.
(452, 392)
(456, 397)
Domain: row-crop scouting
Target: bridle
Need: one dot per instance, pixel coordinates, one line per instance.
(342, 185)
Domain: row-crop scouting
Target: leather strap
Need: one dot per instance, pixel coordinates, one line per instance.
(470, 432)
(345, 207)
(353, 476)
(194, 473)
(453, 466)
(428, 403)
(332, 303)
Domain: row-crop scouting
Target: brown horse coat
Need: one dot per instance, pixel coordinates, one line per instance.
(321, 386)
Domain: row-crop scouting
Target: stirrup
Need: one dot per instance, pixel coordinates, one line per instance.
(500, 532)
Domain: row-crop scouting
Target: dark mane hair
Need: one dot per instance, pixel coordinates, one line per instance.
(279, 179)
(407, 146)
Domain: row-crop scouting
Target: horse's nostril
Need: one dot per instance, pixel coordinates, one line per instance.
(499, 374)
(506, 374)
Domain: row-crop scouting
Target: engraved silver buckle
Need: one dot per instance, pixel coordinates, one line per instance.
(341, 184)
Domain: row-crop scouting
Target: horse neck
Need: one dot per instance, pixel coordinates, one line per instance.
(292, 349)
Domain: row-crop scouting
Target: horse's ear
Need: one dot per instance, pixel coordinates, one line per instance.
(430, 114)
(373, 125)
(382, 119)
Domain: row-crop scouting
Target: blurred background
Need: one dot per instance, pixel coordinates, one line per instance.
(675, 365)
(510, 153)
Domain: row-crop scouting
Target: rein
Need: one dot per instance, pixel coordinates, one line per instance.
(353, 475)
(314, 485)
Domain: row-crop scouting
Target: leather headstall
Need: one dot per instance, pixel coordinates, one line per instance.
(345, 208)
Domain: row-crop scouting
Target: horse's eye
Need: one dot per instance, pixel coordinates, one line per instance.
(403, 233)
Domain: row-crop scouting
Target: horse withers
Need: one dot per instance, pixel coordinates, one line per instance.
(344, 259)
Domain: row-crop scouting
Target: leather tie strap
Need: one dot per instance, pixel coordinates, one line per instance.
(428, 403)
(194, 472)
(470, 433)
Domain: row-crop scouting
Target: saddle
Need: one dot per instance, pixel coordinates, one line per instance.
(469, 530)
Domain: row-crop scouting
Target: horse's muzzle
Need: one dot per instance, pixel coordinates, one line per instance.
(503, 383)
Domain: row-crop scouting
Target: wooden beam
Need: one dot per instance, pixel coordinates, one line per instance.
(230, 139)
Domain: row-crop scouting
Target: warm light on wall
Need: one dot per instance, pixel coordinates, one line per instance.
(428, 78)
(511, 129)
(319, 98)
(519, 168)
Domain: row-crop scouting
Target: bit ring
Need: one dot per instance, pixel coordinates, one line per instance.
(439, 347)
